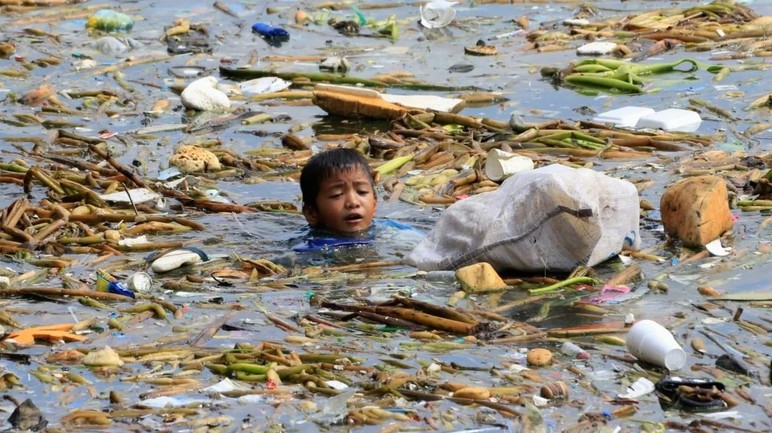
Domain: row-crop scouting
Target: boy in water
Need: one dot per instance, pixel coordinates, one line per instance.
(338, 192)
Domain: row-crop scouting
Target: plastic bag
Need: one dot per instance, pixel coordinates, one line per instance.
(553, 218)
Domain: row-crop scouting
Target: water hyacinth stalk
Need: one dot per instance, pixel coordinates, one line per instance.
(620, 75)
(558, 285)
(392, 165)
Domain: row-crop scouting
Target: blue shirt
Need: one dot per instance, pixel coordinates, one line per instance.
(319, 240)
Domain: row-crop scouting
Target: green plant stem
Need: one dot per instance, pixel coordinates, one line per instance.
(568, 282)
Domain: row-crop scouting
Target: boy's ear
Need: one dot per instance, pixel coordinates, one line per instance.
(311, 214)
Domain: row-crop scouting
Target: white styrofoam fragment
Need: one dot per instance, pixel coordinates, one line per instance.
(625, 117)
(672, 119)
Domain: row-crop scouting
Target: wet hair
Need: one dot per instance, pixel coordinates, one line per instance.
(325, 164)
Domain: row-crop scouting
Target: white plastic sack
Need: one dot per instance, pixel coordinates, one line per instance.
(554, 218)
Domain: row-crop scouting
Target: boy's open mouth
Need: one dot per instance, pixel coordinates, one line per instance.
(354, 217)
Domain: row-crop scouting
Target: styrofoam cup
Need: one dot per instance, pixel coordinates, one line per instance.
(649, 341)
(500, 165)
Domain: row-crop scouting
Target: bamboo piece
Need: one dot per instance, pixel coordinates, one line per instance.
(388, 320)
(51, 291)
(436, 310)
(15, 212)
(411, 316)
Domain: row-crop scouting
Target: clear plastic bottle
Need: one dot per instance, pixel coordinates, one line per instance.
(574, 351)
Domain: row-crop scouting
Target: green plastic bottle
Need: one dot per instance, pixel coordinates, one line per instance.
(110, 21)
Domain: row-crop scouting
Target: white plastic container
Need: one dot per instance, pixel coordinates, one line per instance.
(672, 119)
(625, 117)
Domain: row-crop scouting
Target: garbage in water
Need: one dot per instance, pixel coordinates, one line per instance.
(110, 21)
(570, 203)
(273, 35)
(691, 394)
(107, 283)
(255, 334)
(437, 14)
(500, 165)
(649, 341)
(624, 117)
(203, 95)
(672, 119)
(357, 102)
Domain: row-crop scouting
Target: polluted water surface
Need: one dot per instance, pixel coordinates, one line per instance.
(151, 154)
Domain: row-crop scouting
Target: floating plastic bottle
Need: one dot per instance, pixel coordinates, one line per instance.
(110, 21)
(270, 32)
(574, 351)
(448, 277)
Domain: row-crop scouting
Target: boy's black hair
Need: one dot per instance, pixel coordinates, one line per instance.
(325, 164)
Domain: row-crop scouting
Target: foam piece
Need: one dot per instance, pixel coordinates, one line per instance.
(625, 117)
(596, 48)
(672, 119)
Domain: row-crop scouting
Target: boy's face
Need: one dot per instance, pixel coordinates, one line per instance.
(346, 203)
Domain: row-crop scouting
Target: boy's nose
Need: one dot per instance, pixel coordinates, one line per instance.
(352, 200)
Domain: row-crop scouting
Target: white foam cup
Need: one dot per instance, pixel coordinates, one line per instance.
(500, 165)
(649, 341)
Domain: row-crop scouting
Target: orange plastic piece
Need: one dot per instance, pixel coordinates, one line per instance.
(28, 336)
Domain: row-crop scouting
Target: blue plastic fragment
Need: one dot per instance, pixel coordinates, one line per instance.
(270, 32)
(120, 288)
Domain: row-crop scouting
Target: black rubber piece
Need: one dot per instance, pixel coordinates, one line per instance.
(671, 397)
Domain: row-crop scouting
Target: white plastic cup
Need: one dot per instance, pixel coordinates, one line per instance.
(649, 341)
(500, 165)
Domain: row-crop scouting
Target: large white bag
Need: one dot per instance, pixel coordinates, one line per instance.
(552, 218)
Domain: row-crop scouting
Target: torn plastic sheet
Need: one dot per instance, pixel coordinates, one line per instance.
(615, 295)
(639, 388)
(136, 195)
